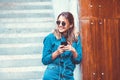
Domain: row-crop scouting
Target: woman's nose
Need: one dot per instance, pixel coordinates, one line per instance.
(60, 24)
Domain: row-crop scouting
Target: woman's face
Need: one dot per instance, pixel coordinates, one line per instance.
(63, 24)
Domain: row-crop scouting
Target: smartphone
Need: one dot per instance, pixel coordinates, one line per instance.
(64, 43)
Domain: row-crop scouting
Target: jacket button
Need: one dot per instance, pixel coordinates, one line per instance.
(61, 75)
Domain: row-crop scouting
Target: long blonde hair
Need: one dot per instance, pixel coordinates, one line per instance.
(72, 35)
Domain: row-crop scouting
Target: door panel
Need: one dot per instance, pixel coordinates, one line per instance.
(117, 8)
(100, 22)
(88, 40)
(100, 38)
(115, 47)
(85, 10)
(105, 8)
(98, 8)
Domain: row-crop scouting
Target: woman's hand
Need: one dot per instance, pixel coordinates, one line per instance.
(72, 49)
(63, 48)
(60, 49)
(69, 48)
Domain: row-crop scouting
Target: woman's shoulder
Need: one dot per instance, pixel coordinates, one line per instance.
(50, 36)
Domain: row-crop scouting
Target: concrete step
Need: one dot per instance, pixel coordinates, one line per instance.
(23, 26)
(25, 20)
(20, 60)
(27, 15)
(20, 48)
(24, 0)
(38, 40)
(25, 5)
(28, 9)
(29, 75)
(26, 27)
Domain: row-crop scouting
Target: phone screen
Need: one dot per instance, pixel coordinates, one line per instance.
(64, 43)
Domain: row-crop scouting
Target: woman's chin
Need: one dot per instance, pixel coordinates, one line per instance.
(61, 31)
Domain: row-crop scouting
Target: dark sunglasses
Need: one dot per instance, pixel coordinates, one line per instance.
(62, 22)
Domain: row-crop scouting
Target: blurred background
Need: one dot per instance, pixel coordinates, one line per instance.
(23, 26)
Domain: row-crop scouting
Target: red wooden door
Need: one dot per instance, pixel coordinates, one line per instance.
(100, 25)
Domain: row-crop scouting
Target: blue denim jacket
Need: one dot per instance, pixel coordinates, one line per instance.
(63, 66)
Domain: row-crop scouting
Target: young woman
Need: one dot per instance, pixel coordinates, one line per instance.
(62, 49)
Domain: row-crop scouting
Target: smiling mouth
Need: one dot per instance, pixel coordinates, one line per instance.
(61, 28)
